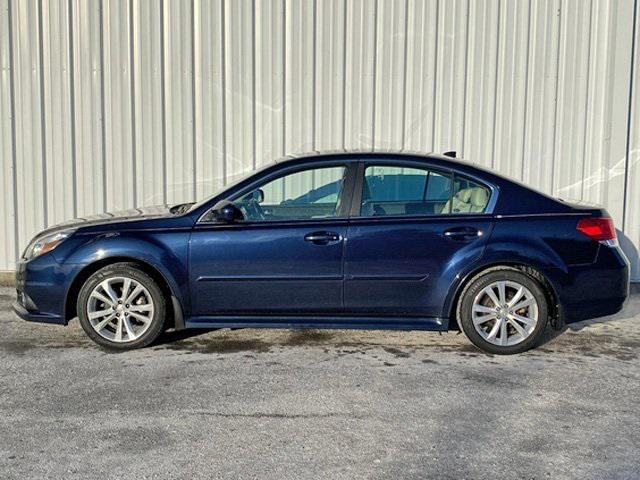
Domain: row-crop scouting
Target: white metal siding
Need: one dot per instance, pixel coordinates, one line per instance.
(112, 104)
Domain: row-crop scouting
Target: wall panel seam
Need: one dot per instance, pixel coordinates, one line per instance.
(72, 113)
(526, 93)
(435, 76)
(555, 99)
(627, 164)
(404, 75)
(223, 82)
(374, 68)
(462, 147)
(14, 138)
(586, 99)
(103, 127)
(495, 96)
(132, 86)
(194, 130)
(43, 132)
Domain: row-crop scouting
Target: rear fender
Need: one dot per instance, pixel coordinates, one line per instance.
(527, 254)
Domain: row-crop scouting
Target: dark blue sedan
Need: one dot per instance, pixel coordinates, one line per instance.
(361, 240)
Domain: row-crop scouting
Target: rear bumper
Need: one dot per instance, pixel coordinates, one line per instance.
(596, 290)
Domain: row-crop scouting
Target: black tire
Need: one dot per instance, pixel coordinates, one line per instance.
(480, 282)
(130, 270)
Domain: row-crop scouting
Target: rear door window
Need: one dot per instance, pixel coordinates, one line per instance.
(393, 190)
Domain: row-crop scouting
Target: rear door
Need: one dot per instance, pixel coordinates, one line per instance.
(412, 229)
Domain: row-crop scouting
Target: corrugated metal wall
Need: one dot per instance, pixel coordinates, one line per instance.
(111, 104)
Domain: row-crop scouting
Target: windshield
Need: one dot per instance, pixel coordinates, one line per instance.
(234, 180)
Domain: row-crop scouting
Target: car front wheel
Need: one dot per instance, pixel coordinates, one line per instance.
(503, 311)
(121, 307)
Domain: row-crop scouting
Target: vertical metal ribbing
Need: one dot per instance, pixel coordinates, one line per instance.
(163, 105)
(194, 149)
(555, 103)
(132, 86)
(103, 127)
(284, 77)
(551, 128)
(314, 71)
(634, 37)
(253, 85)
(526, 93)
(435, 78)
(43, 131)
(72, 110)
(466, 68)
(495, 97)
(344, 77)
(374, 68)
(586, 101)
(223, 82)
(404, 74)
(14, 154)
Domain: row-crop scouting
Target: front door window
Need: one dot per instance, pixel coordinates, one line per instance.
(303, 195)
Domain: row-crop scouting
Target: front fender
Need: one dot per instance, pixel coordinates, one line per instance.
(166, 252)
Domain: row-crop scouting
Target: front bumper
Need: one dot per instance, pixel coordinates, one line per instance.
(24, 314)
(41, 287)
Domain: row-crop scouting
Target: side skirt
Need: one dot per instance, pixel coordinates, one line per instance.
(364, 323)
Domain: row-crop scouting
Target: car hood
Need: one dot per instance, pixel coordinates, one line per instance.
(144, 213)
(110, 217)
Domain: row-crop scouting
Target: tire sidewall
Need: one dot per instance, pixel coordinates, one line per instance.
(122, 270)
(482, 281)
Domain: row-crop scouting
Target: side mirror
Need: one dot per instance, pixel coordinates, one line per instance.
(226, 212)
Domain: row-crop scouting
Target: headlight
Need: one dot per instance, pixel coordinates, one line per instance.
(40, 245)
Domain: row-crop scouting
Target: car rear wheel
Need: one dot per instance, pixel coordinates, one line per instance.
(503, 311)
(121, 307)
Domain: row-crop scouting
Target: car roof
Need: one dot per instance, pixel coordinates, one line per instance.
(436, 159)
(320, 155)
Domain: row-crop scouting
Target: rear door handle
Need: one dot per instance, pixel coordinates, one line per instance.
(322, 238)
(462, 233)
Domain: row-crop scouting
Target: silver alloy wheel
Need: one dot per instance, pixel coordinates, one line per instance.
(120, 309)
(505, 313)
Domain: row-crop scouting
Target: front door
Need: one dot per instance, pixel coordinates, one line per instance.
(414, 230)
(285, 257)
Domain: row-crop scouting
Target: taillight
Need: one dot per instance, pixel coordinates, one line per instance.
(598, 229)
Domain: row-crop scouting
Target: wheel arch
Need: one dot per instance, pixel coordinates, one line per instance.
(555, 309)
(175, 308)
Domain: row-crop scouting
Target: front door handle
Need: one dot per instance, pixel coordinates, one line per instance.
(462, 233)
(322, 238)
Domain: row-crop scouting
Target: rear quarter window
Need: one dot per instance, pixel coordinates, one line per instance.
(469, 196)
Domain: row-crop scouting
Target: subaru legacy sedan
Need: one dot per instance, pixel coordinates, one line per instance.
(361, 240)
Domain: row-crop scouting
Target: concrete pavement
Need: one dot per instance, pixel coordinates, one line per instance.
(286, 404)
